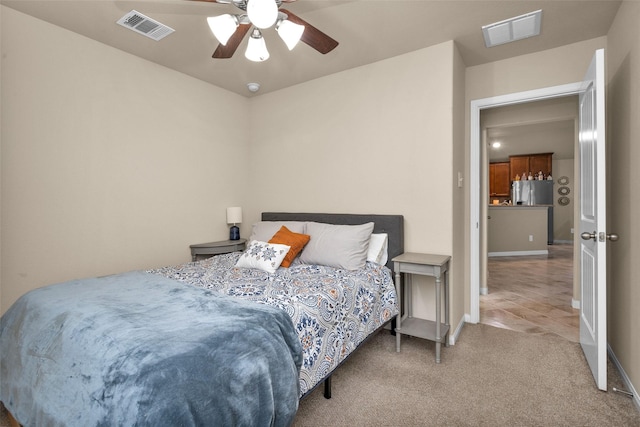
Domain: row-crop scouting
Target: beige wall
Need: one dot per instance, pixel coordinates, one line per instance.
(86, 191)
(563, 216)
(566, 64)
(109, 162)
(458, 183)
(374, 139)
(623, 70)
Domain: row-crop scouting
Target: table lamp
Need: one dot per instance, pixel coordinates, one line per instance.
(234, 216)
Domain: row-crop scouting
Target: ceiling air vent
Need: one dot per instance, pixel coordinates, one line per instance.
(512, 29)
(144, 25)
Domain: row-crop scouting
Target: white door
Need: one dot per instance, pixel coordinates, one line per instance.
(593, 249)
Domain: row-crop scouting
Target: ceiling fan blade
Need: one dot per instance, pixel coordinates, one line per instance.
(234, 41)
(313, 36)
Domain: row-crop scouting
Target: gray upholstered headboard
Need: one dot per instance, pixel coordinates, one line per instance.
(393, 225)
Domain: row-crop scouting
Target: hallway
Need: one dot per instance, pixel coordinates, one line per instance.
(532, 294)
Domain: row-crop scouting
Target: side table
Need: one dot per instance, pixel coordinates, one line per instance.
(427, 265)
(217, 248)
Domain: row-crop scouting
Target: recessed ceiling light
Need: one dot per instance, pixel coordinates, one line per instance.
(512, 29)
(253, 87)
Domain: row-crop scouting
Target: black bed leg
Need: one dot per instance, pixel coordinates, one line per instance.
(327, 388)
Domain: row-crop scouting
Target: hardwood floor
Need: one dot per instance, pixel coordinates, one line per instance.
(532, 294)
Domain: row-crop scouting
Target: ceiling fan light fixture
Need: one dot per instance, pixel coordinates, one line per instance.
(223, 26)
(290, 32)
(262, 13)
(256, 48)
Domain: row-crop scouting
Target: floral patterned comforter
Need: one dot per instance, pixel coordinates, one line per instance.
(333, 310)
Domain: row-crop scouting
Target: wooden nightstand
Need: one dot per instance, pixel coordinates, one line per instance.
(428, 265)
(210, 249)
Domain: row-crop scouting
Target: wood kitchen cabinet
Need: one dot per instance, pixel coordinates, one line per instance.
(499, 182)
(533, 163)
(541, 162)
(519, 166)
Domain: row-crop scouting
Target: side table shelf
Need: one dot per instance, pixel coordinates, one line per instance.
(436, 266)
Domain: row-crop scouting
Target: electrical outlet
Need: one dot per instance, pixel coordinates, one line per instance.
(572, 231)
(531, 237)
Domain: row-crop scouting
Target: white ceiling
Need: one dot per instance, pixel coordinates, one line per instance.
(546, 126)
(367, 30)
(555, 137)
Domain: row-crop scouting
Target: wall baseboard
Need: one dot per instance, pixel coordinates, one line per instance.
(625, 378)
(454, 336)
(518, 253)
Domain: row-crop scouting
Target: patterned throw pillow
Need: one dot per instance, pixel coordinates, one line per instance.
(264, 256)
(284, 236)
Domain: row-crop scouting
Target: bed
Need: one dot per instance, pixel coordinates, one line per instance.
(203, 343)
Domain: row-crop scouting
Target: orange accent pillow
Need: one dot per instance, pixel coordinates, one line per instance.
(297, 241)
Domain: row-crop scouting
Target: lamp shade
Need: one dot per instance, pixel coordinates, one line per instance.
(223, 26)
(257, 48)
(234, 215)
(290, 33)
(262, 13)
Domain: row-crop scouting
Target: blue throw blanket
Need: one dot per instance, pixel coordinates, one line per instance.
(140, 349)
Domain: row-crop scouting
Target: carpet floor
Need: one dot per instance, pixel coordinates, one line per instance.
(491, 377)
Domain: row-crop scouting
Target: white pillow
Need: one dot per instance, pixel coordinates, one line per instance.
(264, 256)
(378, 248)
(339, 246)
(263, 231)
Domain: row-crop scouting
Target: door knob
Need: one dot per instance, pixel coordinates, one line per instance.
(588, 236)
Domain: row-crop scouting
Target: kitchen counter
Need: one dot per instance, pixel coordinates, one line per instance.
(518, 230)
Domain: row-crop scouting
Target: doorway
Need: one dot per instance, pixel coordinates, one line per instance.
(529, 284)
(479, 207)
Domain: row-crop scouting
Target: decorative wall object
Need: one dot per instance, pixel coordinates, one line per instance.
(564, 191)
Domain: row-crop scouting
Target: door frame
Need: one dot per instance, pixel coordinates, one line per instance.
(476, 181)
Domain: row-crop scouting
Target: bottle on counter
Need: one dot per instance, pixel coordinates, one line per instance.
(540, 176)
(530, 177)
(549, 178)
(517, 177)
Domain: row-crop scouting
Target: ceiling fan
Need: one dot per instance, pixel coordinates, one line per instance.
(230, 30)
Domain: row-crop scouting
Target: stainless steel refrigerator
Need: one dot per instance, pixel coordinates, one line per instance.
(535, 193)
(532, 192)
